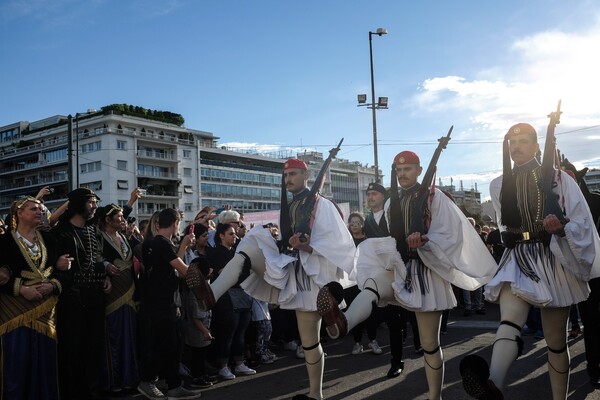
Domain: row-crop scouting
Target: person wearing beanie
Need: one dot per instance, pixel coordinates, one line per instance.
(316, 248)
(81, 305)
(547, 263)
(416, 270)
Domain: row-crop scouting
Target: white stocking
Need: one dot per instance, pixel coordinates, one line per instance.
(506, 345)
(429, 333)
(362, 305)
(309, 325)
(554, 322)
(230, 275)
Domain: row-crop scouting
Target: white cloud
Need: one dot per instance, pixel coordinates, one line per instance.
(543, 68)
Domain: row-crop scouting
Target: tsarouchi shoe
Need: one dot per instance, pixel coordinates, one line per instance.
(475, 376)
(334, 319)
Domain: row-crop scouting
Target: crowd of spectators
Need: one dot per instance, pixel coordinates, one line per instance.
(132, 320)
(151, 326)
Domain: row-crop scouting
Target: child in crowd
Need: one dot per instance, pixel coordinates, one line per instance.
(197, 332)
(261, 318)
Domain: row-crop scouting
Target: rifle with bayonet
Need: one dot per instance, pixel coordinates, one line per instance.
(549, 172)
(417, 222)
(320, 179)
(304, 225)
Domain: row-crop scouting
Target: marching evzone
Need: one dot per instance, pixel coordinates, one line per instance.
(547, 263)
(317, 249)
(449, 252)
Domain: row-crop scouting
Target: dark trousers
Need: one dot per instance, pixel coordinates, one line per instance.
(195, 359)
(392, 315)
(230, 330)
(285, 325)
(589, 311)
(160, 335)
(81, 329)
(409, 316)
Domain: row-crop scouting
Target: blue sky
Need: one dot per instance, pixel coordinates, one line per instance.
(285, 74)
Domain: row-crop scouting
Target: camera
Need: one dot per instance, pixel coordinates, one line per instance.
(143, 192)
(51, 190)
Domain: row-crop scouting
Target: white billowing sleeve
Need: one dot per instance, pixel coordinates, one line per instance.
(454, 250)
(331, 241)
(579, 249)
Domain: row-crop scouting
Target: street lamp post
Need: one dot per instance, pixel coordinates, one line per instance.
(77, 115)
(382, 102)
(77, 147)
(70, 151)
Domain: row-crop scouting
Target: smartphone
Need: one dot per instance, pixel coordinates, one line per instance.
(191, 229)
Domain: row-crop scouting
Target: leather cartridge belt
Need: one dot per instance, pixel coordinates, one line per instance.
(510, 239)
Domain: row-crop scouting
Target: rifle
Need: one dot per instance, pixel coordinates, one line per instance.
(551, 205)
(304, 225)
(417, 222)
(320, 179)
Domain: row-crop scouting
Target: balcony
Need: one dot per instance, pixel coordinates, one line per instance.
(31, 166)
(157, 175)
(157, 156)
(161, 194)
(35, 181)
(37, 147)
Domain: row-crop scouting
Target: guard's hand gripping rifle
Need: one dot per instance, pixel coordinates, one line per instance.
(551, 205)
(417, 222)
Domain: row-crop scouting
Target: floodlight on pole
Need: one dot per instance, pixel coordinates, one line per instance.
(381, 104)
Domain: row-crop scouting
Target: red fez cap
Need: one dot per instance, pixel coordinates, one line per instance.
(407, 157)
(521, 129)
(294, 163)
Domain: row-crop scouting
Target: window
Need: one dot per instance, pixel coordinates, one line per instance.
(187, 207)
(91, 147)
(122, 185)
(187, 154)
(121, 145)
(91, 167)
(187, 172)
(122, 203)
(55, 155)
(95, 186)
(122, 165)
(188, 189)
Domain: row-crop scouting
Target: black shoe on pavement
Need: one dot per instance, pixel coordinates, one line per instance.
(395, 370)
(595, 382)
(196, 383)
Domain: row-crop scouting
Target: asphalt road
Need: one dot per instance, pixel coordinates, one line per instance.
(363, 376)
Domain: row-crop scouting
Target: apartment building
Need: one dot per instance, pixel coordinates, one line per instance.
(120, 147)
(108, 151)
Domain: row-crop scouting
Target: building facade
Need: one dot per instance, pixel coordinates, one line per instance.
(112, 152)
(109, 152)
